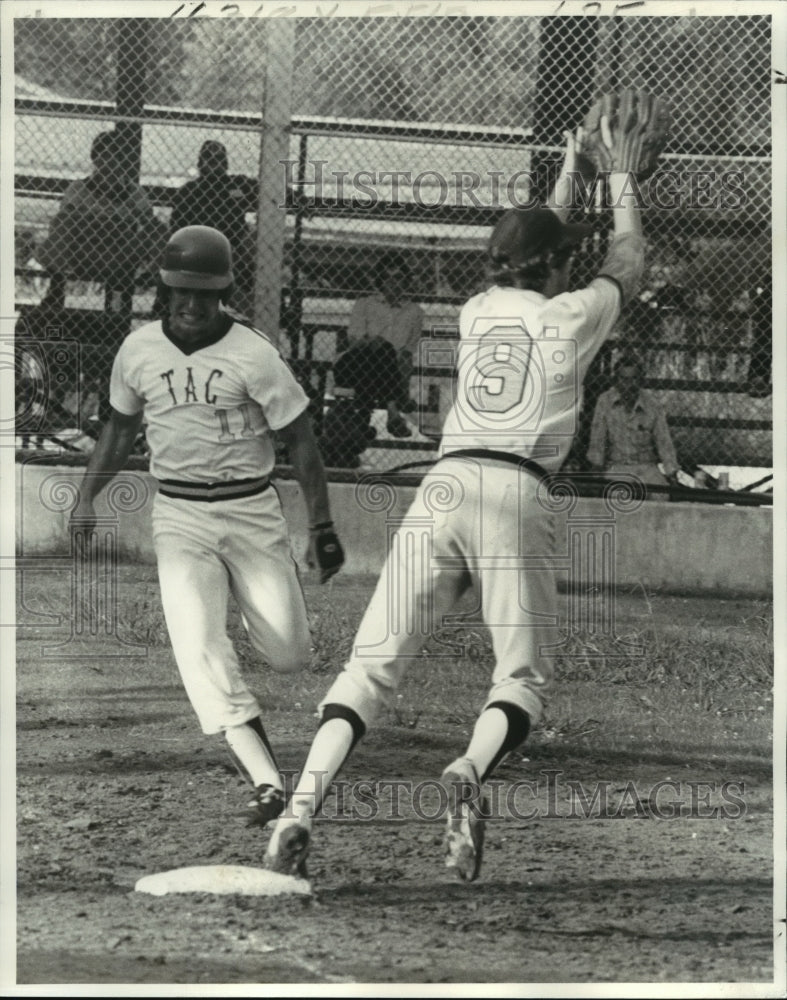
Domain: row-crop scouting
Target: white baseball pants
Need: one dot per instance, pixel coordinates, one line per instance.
(205, 552)
(468, 520)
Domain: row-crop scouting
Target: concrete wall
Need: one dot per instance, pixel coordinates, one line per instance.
(662, 546)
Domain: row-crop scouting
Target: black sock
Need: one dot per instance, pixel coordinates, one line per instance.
(518, 729)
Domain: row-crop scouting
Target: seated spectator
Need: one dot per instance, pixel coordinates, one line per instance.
(701, 332)
(104, 229)
(218, 199)
(388, 317)
(362, 377)
(629, 431)
(24, 260)
(347, 430)
(759, 377)
(702, 310)
(82, 401)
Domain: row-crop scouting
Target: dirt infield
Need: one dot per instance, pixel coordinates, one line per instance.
(114, 781)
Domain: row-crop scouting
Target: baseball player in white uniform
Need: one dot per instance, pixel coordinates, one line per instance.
(525, 347)
(212, 391)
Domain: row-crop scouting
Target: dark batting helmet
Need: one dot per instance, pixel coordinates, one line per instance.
(197, 257)
(525, 238)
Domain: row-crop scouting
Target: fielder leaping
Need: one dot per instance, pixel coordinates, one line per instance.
(525, 347)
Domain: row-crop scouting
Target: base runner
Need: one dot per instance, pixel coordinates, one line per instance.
(212, 392)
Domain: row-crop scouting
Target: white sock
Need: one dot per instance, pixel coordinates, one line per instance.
(329, 749)
(253, 755)
(490, 731)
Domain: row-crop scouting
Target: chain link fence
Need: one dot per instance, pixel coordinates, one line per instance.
(356, 165)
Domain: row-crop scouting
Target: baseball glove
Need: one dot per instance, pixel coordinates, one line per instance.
(325, 551)
(626, 132)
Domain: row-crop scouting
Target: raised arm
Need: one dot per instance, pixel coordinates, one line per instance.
(625, 260)
(625, 133)
(561, 197)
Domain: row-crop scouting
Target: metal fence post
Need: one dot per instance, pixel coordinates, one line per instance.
(274, 147)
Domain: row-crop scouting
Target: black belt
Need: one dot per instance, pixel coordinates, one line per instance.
(232, 489)
(501, 456)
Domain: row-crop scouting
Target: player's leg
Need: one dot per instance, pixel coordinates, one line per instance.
(520, 608)
(353, 702)
(339, 730)
(415, 590)
(256, 761)
(194, 590)
(264, 581)
(392, 389)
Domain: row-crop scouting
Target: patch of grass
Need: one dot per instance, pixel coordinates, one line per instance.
(693, 656)
(333, 621)
(654, 680)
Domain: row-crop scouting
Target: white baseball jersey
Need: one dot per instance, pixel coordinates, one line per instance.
(522, 359)
(521, 362)
(208, 409)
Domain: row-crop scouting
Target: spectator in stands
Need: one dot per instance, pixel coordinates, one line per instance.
(104, 229)
(219, 200)
(359, 381)
(758, 383)
(702, 332)
(30, 280)
(82, 402)
(390, 320)
(629, 432)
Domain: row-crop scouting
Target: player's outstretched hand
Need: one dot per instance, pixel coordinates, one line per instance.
(325, 551)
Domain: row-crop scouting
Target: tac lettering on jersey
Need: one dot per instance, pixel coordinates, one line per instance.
(189, 389)
(231, 421)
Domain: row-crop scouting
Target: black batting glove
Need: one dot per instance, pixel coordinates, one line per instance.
(325, 550)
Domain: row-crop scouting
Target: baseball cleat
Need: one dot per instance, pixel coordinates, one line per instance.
(468, 808)
(267, 805)
(288, 848)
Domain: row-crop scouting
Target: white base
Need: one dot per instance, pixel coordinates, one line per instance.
(223, 880)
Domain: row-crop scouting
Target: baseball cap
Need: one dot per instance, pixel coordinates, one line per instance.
(526, 235)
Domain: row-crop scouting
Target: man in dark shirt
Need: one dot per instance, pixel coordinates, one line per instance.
(218, 199)
(104, 229)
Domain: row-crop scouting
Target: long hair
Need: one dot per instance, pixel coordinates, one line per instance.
(530, 275)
